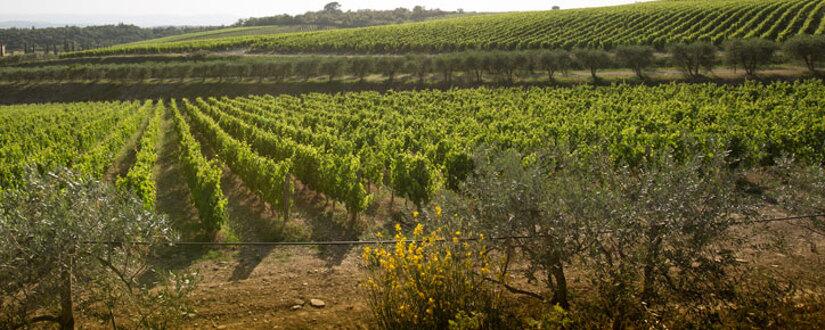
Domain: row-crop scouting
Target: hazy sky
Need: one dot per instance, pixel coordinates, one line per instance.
(217, 10)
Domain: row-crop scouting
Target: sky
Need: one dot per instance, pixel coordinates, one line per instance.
(217, 12)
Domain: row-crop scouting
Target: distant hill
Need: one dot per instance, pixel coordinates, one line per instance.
(657, 23)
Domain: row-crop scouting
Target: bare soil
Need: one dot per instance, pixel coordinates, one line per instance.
(281, 279)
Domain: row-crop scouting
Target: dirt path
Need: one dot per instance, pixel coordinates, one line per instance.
(128, 153)
(267, 296)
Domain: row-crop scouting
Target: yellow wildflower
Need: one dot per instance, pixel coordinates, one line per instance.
(419, 229)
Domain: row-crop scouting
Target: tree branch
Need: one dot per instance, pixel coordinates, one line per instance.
(36, 319)
(516, 290)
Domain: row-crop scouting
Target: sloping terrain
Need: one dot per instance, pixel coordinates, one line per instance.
(656, 23)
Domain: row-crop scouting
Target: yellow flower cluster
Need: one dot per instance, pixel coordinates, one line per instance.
(422, 280)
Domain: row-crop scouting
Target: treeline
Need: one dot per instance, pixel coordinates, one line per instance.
(73, 38)
(333, 16)
(694, 59)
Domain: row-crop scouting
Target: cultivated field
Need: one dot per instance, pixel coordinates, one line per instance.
(657, 23)
(654, 165)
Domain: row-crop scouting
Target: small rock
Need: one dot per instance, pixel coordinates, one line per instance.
(297, 301)
(305, 283)
(297, 307)
(220, 327)
(317, 303)
(191, 315)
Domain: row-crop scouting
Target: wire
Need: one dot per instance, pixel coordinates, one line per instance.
(386, 242)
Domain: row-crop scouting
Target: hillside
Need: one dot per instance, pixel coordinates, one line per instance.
(654, 23)
(231, 32)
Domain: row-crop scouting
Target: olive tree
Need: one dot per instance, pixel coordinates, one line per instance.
(390, 66)
(360, 67)
(306, 68)
(554, 61)
(669, 241)
(547, 202)
(694, 57)
(69, 245)
(472, 64)
(447, 65)
(650, 236)
(637, 58)
(331, 68)
(421, 66)
(807, 48)
(592, 60)
(750, 54)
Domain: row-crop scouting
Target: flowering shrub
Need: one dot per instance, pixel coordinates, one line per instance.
(428, 279)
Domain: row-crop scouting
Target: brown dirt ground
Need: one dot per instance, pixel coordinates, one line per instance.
(265, 298)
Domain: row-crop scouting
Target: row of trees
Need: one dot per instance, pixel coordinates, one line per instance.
(635, 240)
(70, 38)
(333, 16)
(693, 59)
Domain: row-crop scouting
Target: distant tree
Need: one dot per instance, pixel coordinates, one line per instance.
(184, 71)
(332, 15)
(260, 70)
(592, 59)
(504, 64)
(488, 62)
(360, 67)
(306, 68)
(750, 54)
(637, 58)
(807, 48)
(554, 61)
(390, 66)
(447, 64)
(331, 68)
(556, 7)
(332, 7)
(472, 64)
(281, 71)
(103, 35)
(692, 58)
(421, 66)
(524, 61)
